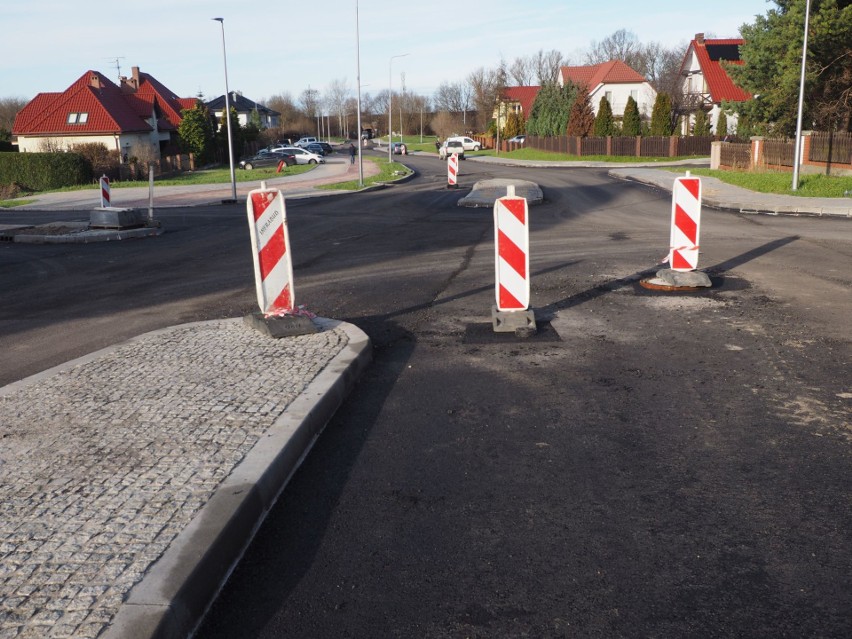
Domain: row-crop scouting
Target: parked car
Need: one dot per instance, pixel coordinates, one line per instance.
(317, 147)
(397, 148)
(518, 139)
(451, 147)
(267, 158)
(303, 142)
(469, 144)
(327, 147)
(302, 156)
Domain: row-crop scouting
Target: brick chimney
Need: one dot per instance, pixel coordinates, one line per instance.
(95, 81)
(699, 38)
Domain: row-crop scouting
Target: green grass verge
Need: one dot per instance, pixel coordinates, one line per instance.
(8, 204)
(389, 172)
(781, 183)
(549, 156)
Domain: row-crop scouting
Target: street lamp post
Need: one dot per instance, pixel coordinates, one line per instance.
(390, 105)
(798, 147)
(358, 82)
(221, 21)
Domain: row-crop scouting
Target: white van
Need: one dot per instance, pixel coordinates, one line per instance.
(469, 144)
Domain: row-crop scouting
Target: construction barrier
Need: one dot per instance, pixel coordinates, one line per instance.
(511, 253)
(686, 224)
(105, 194)
(273, 268)
(452, 171)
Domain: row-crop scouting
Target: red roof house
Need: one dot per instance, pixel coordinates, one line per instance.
(706, 83)
(138, 117)
(614, 80)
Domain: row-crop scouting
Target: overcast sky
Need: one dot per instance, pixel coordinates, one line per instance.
(286, 46)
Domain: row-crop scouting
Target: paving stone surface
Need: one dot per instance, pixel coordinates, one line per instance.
(104, 463)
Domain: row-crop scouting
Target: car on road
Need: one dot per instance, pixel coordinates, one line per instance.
(518, 139)
(302, 156)
(303, 142)
(320, 148)
(267, 158)
(398, 147)
(451, 147)
(469, 144)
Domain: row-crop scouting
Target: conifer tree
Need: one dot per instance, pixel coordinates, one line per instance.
(701, 126)
(604, 124)
(631, 125)
(722, 124)
(581, 121)
(661, 116)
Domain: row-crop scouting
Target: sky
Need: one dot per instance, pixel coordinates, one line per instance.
(286, 46)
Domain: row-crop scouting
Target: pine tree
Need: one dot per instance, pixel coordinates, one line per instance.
(722, 124)
(701, 126)
(631, 124)
(661, 116)
(581, 121)
(604, 124)
(549, 113)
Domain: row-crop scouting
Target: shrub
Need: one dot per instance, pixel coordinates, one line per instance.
(604, 124)
(101, 159)
(661, 115)
(632, 122)
(44, 171)
(722, 124)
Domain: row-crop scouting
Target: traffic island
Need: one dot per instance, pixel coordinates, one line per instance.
(486, 192)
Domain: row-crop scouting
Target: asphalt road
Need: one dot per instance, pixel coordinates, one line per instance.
(650, 465)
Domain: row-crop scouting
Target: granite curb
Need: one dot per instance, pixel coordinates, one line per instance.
(727, 197)
(130, 523)
(172, 599)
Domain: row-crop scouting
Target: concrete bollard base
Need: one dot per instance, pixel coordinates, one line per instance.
(281, 326)
(522, 323)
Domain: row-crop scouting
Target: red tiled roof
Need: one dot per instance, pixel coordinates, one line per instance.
(612, 72)
(111, 109)
(523, 95)
(719, 83)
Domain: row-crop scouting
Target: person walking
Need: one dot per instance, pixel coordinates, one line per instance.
(351, 153)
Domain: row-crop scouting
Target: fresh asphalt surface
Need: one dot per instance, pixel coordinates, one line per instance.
(650, 465)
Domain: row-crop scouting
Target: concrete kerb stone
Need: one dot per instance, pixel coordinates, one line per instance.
(173, 597)
(731, 198)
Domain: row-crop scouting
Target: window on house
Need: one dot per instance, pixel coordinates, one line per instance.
(77, 118)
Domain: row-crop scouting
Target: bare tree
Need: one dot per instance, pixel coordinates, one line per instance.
(521, 72)
(9, 108)
(335, 99)
(310, 102)
(622, 45)
(445, 124)
(546, 66)
(486, 86)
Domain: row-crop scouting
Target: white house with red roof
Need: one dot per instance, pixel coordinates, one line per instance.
(139, 117)
(706, 83)
(614, 80)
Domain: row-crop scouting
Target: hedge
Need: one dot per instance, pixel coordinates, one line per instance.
(44, 171)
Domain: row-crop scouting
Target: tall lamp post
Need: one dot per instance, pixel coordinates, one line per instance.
(798, 147)
(390, 105)
(221, 21)
(358, 82)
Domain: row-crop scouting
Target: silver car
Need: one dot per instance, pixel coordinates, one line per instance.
(302, 156)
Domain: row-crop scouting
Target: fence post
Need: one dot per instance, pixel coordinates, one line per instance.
(609, 145)
(756, 155)
(672, 146)
(715, 155)
(638, 146)
(806, 151)
(192, 161)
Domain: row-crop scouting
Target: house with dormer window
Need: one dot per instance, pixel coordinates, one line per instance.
(245, 108)
(137, 117)
(706, 83)
(615, 81)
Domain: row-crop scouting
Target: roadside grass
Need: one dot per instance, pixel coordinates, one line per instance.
(388, 173)
(779, 182)
(549, 156)
(8, 204)
(203, 176)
